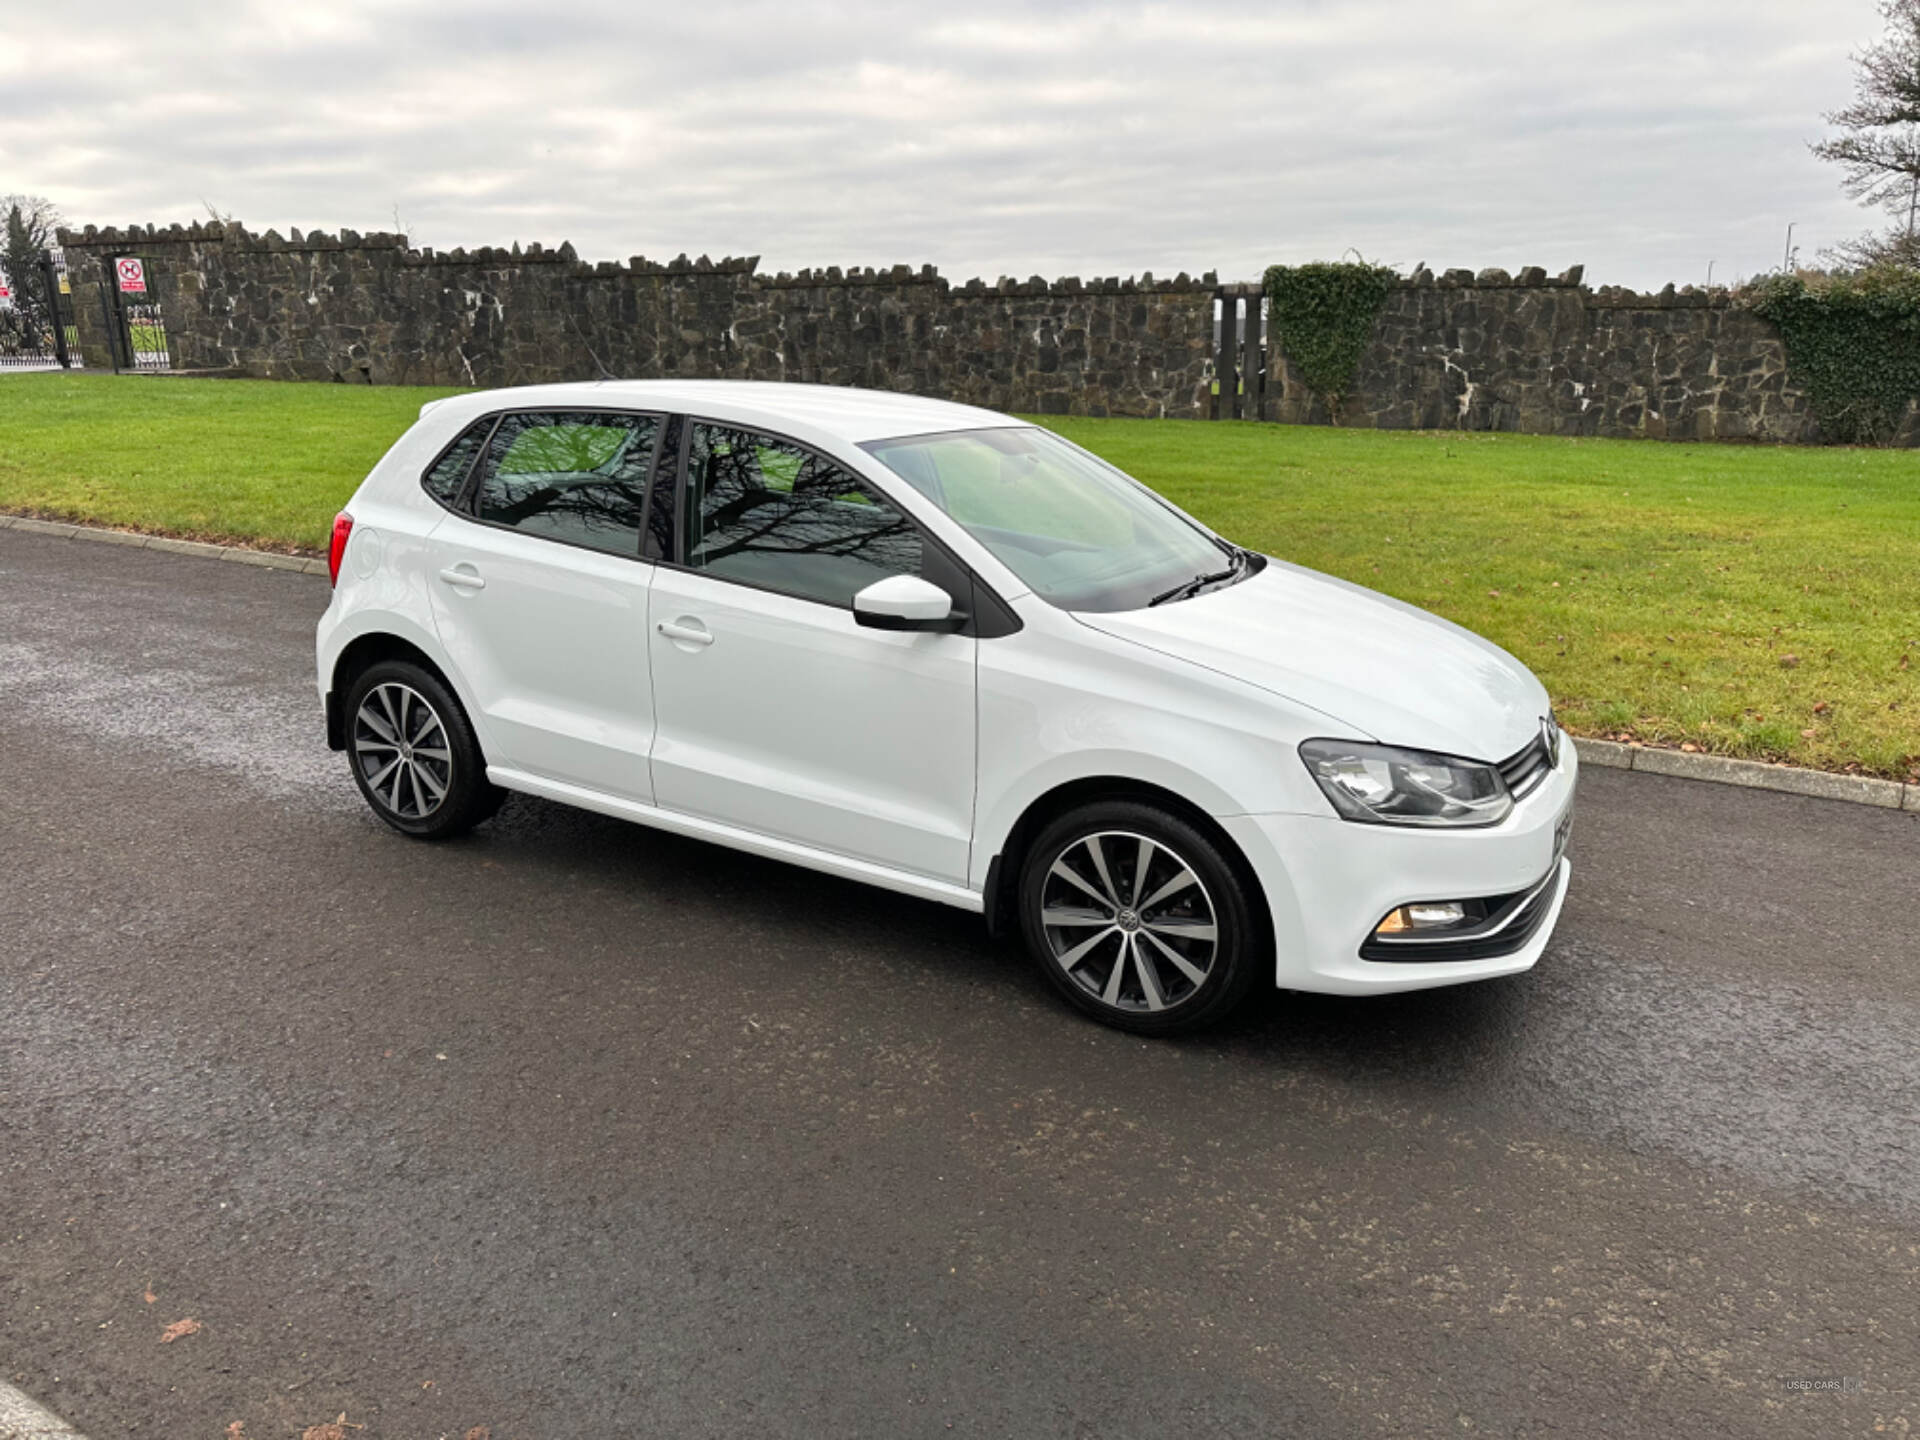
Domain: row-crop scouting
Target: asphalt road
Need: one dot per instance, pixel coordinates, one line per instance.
(576, 1130)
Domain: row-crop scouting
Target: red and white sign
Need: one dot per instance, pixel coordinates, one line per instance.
(5, 293)
(133, 276)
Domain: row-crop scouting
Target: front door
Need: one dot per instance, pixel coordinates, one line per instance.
(540, 597)
(776, 712)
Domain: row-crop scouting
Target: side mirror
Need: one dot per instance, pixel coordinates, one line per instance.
(904, 602)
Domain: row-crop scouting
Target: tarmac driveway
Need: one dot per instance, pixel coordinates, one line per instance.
(573, 1129)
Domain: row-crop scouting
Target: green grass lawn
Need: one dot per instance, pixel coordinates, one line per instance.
(1762, 602)
(255, 461)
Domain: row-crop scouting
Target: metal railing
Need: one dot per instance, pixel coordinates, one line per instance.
(36, 317)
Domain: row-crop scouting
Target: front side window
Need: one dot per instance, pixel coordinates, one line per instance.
(773, 514)
(1079, 532)
(572, 476)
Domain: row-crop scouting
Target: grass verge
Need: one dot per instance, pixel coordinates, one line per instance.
(1748, 601)
(256, 462)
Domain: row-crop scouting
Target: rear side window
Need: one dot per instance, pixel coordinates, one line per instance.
(447, 476)
(571, 476)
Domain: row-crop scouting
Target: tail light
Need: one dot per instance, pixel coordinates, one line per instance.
(342, 528)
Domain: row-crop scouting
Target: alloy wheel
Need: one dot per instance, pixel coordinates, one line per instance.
(1129, 921)
(401, 747)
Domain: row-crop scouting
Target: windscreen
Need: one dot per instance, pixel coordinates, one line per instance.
(1081, 534)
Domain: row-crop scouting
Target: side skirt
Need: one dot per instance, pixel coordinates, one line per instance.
(867, 872)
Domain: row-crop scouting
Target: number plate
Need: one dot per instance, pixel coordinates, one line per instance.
(1562, 828)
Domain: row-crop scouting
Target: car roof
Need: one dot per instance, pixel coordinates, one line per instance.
(813, 412)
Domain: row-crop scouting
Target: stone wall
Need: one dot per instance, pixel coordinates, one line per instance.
(1486, 351)
(368, 309)
(1548, 356)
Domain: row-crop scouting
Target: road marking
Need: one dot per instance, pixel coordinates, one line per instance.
(22, 1419)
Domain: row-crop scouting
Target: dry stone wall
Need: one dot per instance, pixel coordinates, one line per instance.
(1462, 350)
(367, 308)
(1548, 356)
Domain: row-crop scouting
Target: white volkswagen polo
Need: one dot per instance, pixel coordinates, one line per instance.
(946, 652)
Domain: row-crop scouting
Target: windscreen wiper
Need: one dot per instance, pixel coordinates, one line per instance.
(1200, 582)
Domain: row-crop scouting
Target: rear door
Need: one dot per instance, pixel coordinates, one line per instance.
(540, 595)
(776, 711)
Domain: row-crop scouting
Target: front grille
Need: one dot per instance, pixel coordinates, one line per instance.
(1515, 919)
(1526, 768)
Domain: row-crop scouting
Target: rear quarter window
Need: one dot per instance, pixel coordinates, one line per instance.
(447, 476)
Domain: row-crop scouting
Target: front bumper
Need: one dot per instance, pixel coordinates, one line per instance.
(1329, 882)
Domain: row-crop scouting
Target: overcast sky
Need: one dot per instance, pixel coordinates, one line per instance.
(1644, 138)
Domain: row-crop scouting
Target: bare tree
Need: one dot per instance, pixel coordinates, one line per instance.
(31, 221)
(1879, 147)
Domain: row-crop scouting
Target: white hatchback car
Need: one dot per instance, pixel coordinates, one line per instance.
(949, 653)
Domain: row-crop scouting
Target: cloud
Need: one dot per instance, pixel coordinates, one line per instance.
(1642, 139)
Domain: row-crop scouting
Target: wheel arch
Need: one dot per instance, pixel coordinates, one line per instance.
(369, 649)
(999, 894)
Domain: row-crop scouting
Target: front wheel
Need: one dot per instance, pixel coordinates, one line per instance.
(1140, 919)
(413, 753)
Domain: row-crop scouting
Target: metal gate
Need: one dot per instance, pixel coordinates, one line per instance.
(36, 317)
(136, 328)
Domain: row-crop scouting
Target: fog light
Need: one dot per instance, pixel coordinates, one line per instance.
(1428, 915)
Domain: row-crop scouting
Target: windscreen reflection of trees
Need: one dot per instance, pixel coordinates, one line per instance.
(577, 478)
(775, 513)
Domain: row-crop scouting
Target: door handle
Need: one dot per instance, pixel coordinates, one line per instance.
(685, 632)
(465, 576)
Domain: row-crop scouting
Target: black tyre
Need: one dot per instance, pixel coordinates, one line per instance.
(1140, 919)
(413, 753)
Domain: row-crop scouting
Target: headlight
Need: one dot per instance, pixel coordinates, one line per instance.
(1381, 785)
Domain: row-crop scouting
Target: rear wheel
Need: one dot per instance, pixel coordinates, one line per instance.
(1139, 918)
(413, 753)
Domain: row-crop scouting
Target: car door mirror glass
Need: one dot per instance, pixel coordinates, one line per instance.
(903, 602)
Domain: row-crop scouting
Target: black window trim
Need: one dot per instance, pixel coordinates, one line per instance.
(463, 505)
(674, 428)
(1003, 620)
